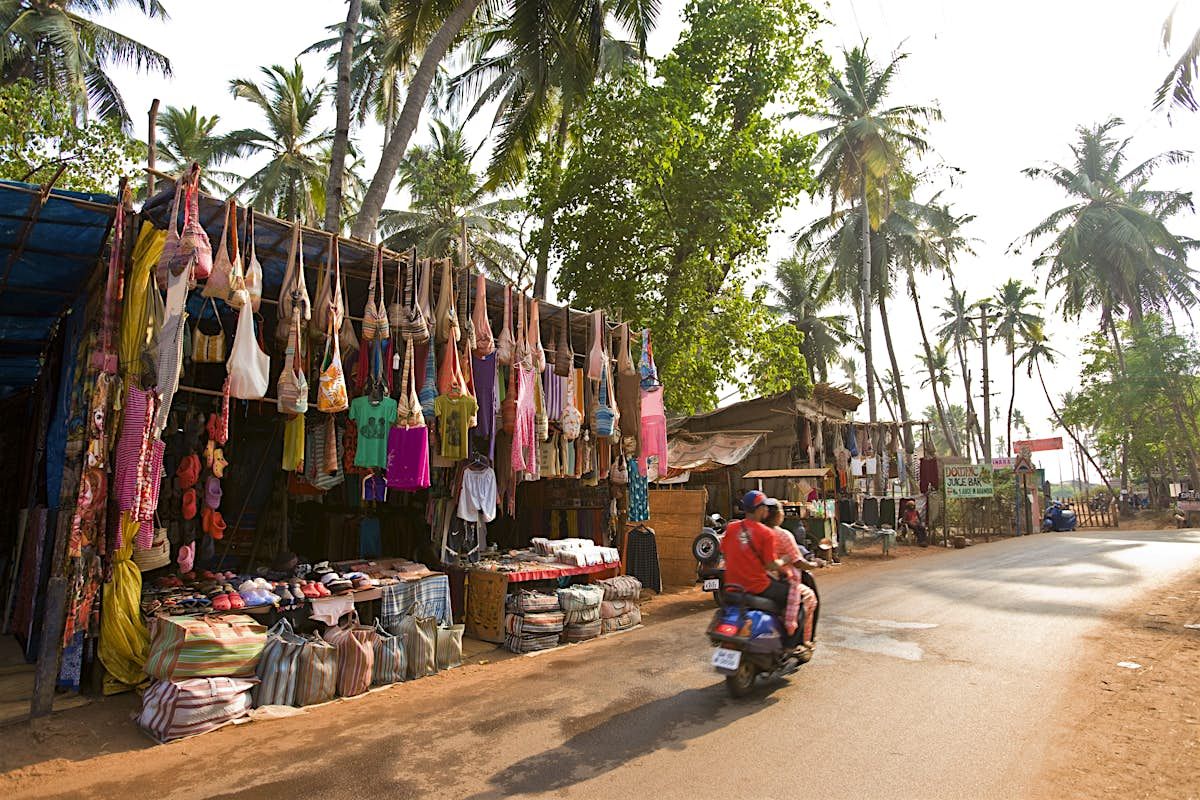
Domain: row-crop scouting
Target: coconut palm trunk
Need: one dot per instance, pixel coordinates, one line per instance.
(865, 291)
(951, 439)
(418, 93)
(541, 277)
(1012, 399)
(341, 132)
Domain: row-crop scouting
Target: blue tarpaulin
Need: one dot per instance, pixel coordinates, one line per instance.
(50, 244)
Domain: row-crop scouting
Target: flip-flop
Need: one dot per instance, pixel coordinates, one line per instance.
(321, 589)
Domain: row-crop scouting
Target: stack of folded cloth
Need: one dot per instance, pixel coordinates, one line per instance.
(534, 622)
(581, 605)
(619, 615)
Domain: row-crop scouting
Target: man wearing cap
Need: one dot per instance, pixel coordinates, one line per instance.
(750, 553)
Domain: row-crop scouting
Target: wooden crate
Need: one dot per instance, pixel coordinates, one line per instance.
(677, 515)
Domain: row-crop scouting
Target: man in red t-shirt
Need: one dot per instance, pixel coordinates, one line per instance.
(749, 550)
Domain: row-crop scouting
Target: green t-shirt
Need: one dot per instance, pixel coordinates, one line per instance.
(454, 420)
(374, 422)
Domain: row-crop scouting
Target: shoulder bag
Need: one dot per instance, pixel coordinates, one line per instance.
(171, 243)
(537, 353)
(254, 272)
(484, 343)
(209, 347)
(249, 367)
(332, 396)
(564, 356)
(375, 324)
(292, 388)
(445, 316)
(195, 250)
(220, 282)
(505, 344)
(293, 292)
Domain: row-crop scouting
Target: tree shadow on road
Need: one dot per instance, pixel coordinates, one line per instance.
(616, 739)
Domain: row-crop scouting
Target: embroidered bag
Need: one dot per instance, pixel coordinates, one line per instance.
(195, 250)
(595, 360)
(253, 280)
(171, 243)
(533, 339)
(604, 419)
(571, 421)
(375, 324)
(484, 343)
(209, 347)
(219, 283)
(414, 326)
(504, 343)
(331, 395)
(292, 388)
(446, 317)
(328, 305)
(293, 292)
(408, 404)
(465, 321)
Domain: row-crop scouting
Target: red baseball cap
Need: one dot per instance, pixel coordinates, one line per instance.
(752, 500)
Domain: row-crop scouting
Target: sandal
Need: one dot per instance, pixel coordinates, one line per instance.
(219, 463)
(221, 603)
(235, 600)
(321, 589)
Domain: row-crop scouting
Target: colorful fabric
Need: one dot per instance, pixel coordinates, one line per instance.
(524, 449)
(430, 595)
(124, 640)
(390, 661)
(454, 420)
(639, 493)
(408, 459)
(374, 421)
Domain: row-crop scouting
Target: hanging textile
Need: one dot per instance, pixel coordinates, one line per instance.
(124, 640)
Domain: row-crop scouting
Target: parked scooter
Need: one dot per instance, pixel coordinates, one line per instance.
(710, 565)
(1059, 518)
(748, 634)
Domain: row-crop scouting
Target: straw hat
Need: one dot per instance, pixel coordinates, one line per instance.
(157, 555)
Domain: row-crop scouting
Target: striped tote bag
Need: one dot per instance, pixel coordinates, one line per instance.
(356, 655)
(316, 675)
(279, 666)
(173, 710)
(229, 646)
(390, 662)
(419, 633)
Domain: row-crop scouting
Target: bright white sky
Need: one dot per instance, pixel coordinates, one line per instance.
(1013, 80)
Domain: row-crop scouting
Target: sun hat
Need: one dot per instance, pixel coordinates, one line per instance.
(825, 544)
(158, 554)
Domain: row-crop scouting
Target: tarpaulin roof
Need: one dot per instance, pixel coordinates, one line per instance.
(50, 242)
(703, 452)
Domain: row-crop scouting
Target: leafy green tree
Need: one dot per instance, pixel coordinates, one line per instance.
(38, 135)
(956, 418)
(805, 293)
(959, 329)
(864, 144)
(59, 46)
(1016, 326)
(295, 147)
(184, 137)
(446, 194)
(677, 180)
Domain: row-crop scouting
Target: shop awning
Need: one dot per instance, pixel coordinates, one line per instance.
(806, 472)
(702, 452)
(50, 244)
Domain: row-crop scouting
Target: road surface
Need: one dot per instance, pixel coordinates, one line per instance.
(934, 678)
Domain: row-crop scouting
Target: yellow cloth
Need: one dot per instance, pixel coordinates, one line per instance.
(293, 444)
(137, 286)
(124, 640)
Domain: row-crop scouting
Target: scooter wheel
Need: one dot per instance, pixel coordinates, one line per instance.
(706, 547)
(741, 682)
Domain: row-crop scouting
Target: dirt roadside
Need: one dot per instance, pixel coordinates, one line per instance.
(1132, 732)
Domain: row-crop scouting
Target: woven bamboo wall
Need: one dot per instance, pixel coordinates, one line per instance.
(677, 515)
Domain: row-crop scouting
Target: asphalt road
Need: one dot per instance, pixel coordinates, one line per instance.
(934, 678)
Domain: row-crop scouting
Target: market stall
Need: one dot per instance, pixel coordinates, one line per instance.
(307, 439)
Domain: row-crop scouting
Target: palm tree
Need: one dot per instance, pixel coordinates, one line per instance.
(437, 26)
(958, 328)
(956, 417)
(446, 194)
(57, 45)
(340, 146)
(296, 150)
(936, 362)
(539, 89)
(186, 137)
(1015, 326)
(1111, 250)
(1036, 351)
(805, 291)
(1177, 85)
(863, 145)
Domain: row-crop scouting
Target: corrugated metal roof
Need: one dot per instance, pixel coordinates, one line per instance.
(50, 243)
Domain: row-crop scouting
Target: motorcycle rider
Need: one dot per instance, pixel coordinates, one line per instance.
(751, 555)
(799, 595)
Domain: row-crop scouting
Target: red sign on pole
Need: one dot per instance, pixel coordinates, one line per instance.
(1034, 445)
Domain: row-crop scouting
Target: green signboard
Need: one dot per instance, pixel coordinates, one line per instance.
(968, 480)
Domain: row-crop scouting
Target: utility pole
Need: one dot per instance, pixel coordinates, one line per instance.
(987, 388)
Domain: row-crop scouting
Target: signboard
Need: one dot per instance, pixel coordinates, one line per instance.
(1034, 445)
(1023, 466)
(968, 480)
(1003, 463)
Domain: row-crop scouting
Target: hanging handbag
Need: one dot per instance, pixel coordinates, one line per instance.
(537, 353)
(485, 344)
(328, 307)
(220, 282)
(571, 421)
(465, 321)
(332, 396)
(195, 250)
(541, 420)
(253, 280)
(375, 324)
(595, 360)
(208, 346)
(292, 388)
(408, 404)
(396, 306)
(508, 408)
(171, 243)
(505, 345)
(564, 356)
(604, 419)
(414, 325)
(293, 292)
(249, 367)
(445, 316)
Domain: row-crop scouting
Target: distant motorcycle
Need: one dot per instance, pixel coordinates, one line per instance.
(710, 565)
(1059, 518)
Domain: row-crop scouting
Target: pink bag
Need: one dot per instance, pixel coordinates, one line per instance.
(195, 250)
(171, 244)
(408, 459)
(356, 655)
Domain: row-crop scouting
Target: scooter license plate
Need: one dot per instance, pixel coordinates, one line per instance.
(724, 658)
(712, 584)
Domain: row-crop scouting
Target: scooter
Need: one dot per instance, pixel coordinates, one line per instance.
(748, 634)
(710, 565)
(1059, 518)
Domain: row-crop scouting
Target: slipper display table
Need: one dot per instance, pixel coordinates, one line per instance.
(487, 590)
